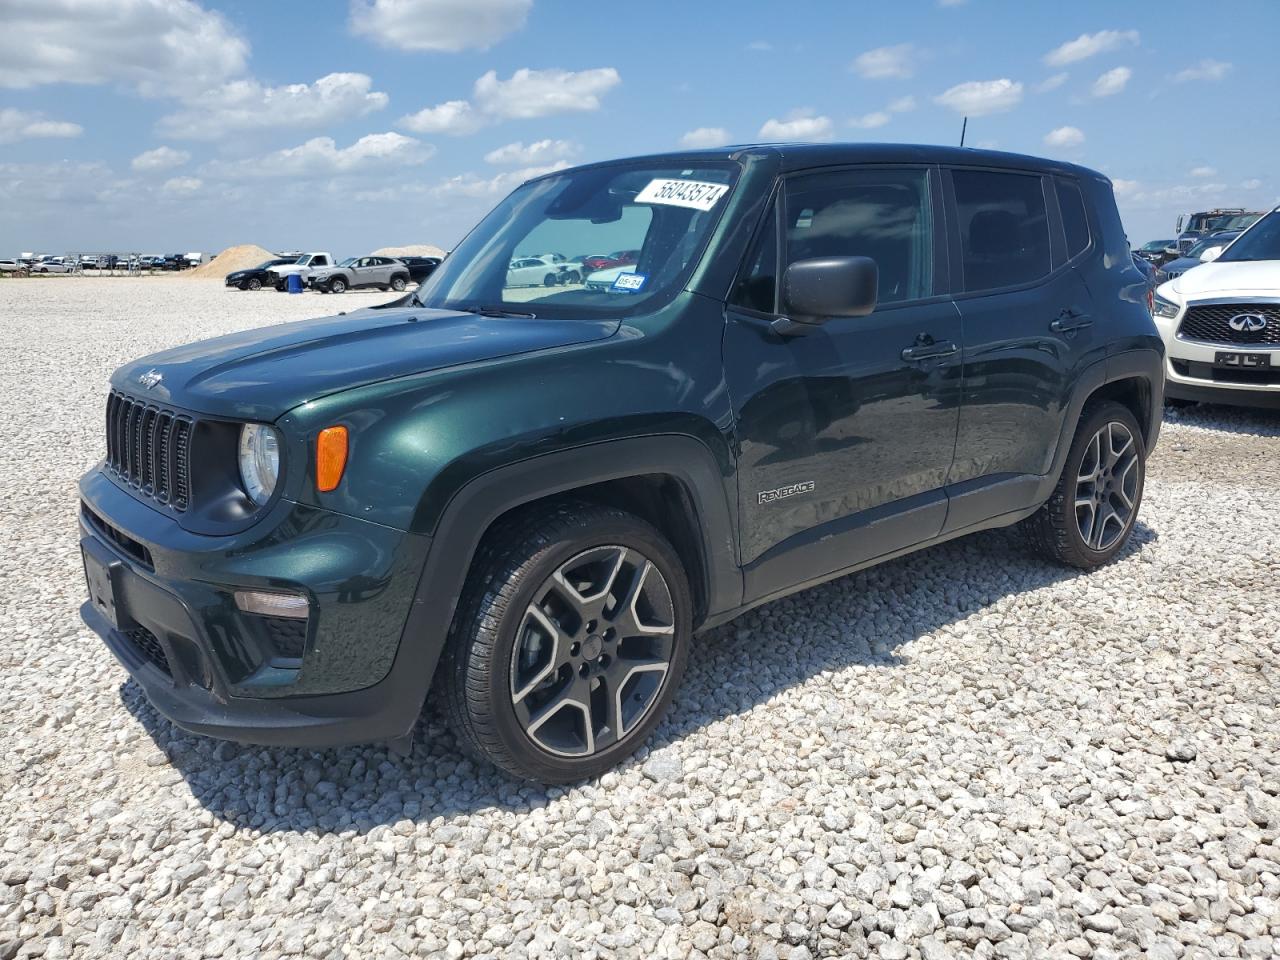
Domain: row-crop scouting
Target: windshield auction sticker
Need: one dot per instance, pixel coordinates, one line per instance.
(694, 194)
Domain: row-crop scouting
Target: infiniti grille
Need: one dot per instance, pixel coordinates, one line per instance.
(1212, 323)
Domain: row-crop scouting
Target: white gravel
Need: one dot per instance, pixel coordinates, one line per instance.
(962, 753)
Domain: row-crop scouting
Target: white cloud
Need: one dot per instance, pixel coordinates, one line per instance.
(161, 158)
(798, 125)
(884, 62)
(1052, 83)
(444, 25)
(473, 186)
(321, 156)
(1203, 172)
(454, 117)
(1204, 70)
(1125, 188)
(1251, 184)
(978, 98)
(527, 94)
(760, 46)
(1089, 45)
(246, 105)
(902, 105)
(1111, 82)
(952, 3)
(18, 125)
(705, 137)
(182, 186)
(157, 47)
(533, 154)
(1178, 195)
(1065, 137)
(869, 121)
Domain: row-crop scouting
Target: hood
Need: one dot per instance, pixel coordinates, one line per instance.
(1218, 278)
(261, 374)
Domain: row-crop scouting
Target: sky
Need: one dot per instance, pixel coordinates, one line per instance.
(158, 126)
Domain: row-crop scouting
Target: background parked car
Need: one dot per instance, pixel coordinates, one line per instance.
(16, 267)
(52, 265)
(532, 272)
(1212, 245)
(356, 272)
(1156, 251)
(619, 258)
(420, 267)
(255, 278)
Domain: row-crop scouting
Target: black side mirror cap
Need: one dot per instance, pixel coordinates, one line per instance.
(814, 291)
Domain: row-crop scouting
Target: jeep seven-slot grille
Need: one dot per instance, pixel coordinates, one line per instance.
(1212, 322)
(149, 448)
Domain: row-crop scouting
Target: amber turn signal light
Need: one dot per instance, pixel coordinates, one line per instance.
(331, 457)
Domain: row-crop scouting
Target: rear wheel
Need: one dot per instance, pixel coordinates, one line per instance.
(1094, 507)
(569, 642)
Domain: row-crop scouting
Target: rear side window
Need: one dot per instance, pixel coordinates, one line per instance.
(1074, 220)
(1004, 230)
(882, 214)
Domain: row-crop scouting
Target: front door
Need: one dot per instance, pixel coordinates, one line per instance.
(846, 433)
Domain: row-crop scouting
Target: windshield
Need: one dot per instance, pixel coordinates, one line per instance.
(1259, 242)
(302, 260)
(347, 262)
(1157, 245)
(526, 256)
(1242, 222)
(1217, 240)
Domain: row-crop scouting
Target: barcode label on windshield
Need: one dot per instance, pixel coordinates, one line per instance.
(683, 193)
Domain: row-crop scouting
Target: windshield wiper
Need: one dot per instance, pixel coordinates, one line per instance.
(499, 312)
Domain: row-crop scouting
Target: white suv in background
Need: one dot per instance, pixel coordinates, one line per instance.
(1221, 323)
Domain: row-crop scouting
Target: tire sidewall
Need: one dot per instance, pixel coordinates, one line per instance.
(547, 766)
(1094, 421)
(398, 284)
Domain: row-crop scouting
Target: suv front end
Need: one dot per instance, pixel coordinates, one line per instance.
(240, 611)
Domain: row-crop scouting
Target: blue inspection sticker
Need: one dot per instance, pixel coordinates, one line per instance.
(629, 283)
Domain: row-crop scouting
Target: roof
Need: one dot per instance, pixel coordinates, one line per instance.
(797, 156)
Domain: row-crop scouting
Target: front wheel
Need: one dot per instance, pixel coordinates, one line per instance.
(398, 284)
(254, 284)
(337, 285)
(1094, 507)
(569, 642)
(549, 280)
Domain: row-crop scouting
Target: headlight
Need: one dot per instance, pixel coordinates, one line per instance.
(259, 461)
(1166, 308)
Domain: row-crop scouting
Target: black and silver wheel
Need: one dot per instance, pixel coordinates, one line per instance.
(549, 280)
(253, 284)
(336, 285)
(1094, 507)
(569, 643)
(398, 284)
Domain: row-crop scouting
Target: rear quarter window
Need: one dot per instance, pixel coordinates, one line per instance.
(1075, 222)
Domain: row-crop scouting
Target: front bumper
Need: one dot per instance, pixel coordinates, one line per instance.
(1192, 374)
(215, 670)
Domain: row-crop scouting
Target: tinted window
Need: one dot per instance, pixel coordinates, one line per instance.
(758, 283)
(1004, 233)
(1260, 242)
(881, 214)
(1074, 220)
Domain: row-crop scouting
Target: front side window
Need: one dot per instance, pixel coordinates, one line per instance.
(1259, 242)
(1004, 230)
(884, 214)
(757, 287)
(539, 252)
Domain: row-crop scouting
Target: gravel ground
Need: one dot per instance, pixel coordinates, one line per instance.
(962, 753)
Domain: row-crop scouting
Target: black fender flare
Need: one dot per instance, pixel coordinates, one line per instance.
(475, 506)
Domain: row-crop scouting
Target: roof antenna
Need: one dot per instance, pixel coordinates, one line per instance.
(963, 128)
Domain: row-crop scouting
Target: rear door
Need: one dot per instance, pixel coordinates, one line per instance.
(1028, 328)
(846, 433)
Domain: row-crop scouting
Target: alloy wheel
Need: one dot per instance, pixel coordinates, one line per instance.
(592, 651)
(1107, 485)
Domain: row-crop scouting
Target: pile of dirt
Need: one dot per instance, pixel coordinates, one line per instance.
(413, 250)
(230, 260)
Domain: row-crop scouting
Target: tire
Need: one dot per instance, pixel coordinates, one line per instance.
(398, 283)
(336, 285)
(281, 286)
(253, 284)
(549, 280)
(493, 699)
(1178, 403)
(573, 276)
(1095, 486)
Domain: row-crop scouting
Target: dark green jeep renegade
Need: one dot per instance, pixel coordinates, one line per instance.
(638, 399)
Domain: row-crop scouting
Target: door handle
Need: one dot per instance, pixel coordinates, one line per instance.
(1070, 319)
(927, 348)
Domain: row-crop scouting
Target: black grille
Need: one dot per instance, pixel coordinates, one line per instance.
(121, 539)
(149, 447)
(146, 643)
(288, 635)
(1212, 322)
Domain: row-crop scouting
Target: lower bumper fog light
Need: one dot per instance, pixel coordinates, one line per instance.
(267, 604)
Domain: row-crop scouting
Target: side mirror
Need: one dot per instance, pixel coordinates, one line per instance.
(1211, 254)
(815, 291)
